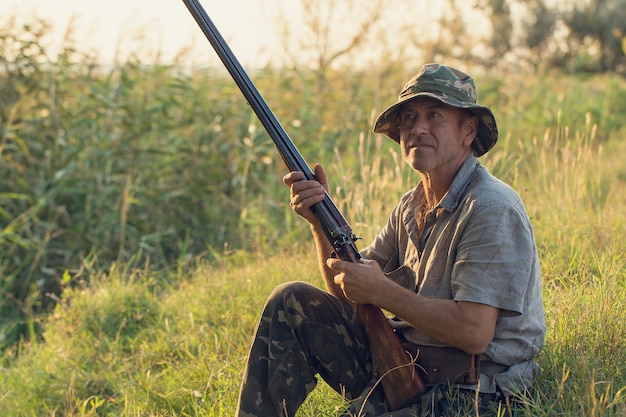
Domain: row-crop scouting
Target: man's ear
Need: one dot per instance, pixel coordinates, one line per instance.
(470, 130)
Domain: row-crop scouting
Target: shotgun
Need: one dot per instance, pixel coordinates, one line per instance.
(400, 380)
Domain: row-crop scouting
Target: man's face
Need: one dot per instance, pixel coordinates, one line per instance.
(435, 138)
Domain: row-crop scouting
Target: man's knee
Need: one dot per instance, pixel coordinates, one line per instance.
(291, 292)
(293, 287)
(292, 298)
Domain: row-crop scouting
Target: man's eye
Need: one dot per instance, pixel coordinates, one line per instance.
(407, 119)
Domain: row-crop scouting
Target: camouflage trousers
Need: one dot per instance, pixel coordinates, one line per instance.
(305, 332)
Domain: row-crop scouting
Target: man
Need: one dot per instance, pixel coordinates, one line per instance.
(456, 264)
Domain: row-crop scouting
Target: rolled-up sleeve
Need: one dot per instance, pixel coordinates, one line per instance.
(497, 252)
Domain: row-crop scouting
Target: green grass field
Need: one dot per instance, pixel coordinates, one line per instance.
(138, 342)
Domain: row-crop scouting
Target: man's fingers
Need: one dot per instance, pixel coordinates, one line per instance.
(306, 198)
(338, 280)
(338, 264)
(292, 177)
(345, 266)
(321, 176)
(331, 262)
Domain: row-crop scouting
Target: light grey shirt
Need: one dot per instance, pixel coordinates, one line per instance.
(478, 246)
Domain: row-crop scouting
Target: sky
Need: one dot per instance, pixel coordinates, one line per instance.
(112, 26)
(158, 30)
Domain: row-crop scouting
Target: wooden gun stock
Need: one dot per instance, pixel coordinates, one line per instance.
(400, 379)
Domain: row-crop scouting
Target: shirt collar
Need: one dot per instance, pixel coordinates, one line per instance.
(452, 198)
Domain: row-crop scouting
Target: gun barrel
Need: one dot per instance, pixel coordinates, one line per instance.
(336, 227)
(404, 383)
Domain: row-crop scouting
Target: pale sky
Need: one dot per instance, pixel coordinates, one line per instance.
(164, 28)
(165, 25)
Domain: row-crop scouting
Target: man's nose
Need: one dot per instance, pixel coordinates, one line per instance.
(419, 126)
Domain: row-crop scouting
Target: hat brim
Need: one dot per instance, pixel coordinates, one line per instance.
(486, 138)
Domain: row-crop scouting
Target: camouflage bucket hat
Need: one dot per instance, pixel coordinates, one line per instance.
(449, 86)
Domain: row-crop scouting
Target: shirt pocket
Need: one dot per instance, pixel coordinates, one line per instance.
(404, 276)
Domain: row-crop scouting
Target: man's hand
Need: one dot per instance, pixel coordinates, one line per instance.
(360, 282)
(305, 193)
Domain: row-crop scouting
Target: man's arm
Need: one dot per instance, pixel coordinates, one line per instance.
(465, 325)
(304, 194)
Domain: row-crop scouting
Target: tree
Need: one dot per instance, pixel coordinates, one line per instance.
(499, 14)
(597, 32)
(538, 31)
(329, 31)
(581, 35)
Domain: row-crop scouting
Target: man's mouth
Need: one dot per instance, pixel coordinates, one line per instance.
(419, 145)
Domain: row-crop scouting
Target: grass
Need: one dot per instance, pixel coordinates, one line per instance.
(134, 341)
(127, 346)
(124, 346)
